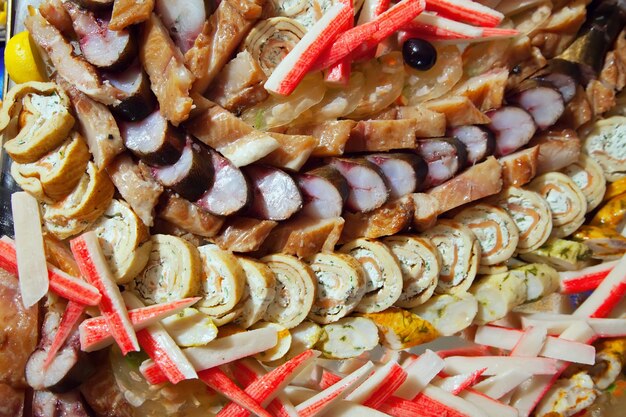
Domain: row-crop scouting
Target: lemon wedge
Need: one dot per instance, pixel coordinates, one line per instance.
(22, 59)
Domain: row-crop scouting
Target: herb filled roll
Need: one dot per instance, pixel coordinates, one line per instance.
(606, 144)
(498, 294)
(348, 338)
(449, 313)
(588, 176)
(258, 292)
(541, 280)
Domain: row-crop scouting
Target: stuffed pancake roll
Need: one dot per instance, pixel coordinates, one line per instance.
(567, 202)
(383, 276)
(295, 290)
(420, 263)
(340, 286)
(495, 230)
(460, 255)
(531, 215)
(541, 280)
(561, 254)
(605, 243)
(587, 174)
(606, 144)
(498, 294)
(258, 292)
(348, 338)
(449, 313)
(172, 272)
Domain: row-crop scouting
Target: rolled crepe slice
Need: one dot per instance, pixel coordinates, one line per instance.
(383, 276)
(125, 241)
(348, 338)
(420, 263)
(498, 294)
(296, 289)
(587, 174)
(221, 284)
(495, 230)
(449, 313)
(561, 254)
(282, 346)
(340, 286)
(541, 280)
(258, 292)
(172, 272)
(460, 255)
(605, 243)
(566, 201)
(531, 215)
(605, 143)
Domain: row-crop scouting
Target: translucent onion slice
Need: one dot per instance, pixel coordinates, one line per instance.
(420, 86)
(338, 100)
(587, 174)
(258, 292)
(348, 338)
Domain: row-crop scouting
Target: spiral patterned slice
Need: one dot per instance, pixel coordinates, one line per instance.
(340, 286)
(258, 292)
(587, 174)
(172, 272)
(295, 290)
(420, 263)
(383, 276)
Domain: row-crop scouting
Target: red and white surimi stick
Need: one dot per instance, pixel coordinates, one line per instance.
(282, 407)
(93, 267)
(95, 333)
(379, 386)
(339, 73)
(471, 350)
(420, 372)
(71, 316)
(531, 342)
(436, 27)
(607, 295)
(457, 383)
(292, 69)
(498, 364)
(499, 33)
(499, 385)
(493, 408)
(432, 402)
(466, 11)
(585, 279)
(557, 323)
(319, 403)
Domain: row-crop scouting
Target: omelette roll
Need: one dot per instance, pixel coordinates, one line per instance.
(495, 230)
(605, 243)
(340, 286)
(566, 201)
(420, 263)
(383, 276)
(400, 329)
(258, 292)
(498, 294)
(295, 290)
(605, 143)
(172, 272)
(449, 313)
(531, 215)
(348, 338)
(587, 174)
(460, 255)
(612, 214)
(541, 280)
(561, 254)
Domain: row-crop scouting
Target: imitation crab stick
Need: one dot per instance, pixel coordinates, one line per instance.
(466, 11)
(420, 371)
(608, 294)
(585, 279)
(94, 268)
(433, 401)
(531, 342)
(557, 323)
(490, 406)
(339, 73)
(71, 316)
(457, 383)
(436, 27)
(67, 286)
(498, 386)
(497, 364)
(379, 386)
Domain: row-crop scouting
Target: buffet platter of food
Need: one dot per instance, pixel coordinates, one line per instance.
(293, 207)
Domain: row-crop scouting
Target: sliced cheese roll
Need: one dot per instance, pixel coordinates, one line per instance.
(449, 313)
(348, 338)
(340, 286)
(495, 230)
(420, 264)
(383, 276)
(125, 241)
(258, 292)
(282, 346)
(606, 144)
(172, 272)
(295, 290)
(498, 294)
(541, 280)
(221, 284)
(567, 202)
(460, 255)
(587, 174)
(531, 215)
(561, 254)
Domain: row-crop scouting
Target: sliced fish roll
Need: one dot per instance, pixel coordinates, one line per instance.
(383, 276)
(498, 294)
(566, 201)
(495, 230)
(531, 215)
(324, 190)
(340, 286)
(479, 141)
(606, 144)
(275, 194)
(420, 263)
(172, 272)
(296, 289)
(449, 313)
(444, 156)
(258, 292)
(222, 283)
(348, 338)
(460, 255)
(587, 174)
(368, 189)
(401, 329)
(404, 172)
(541, 280)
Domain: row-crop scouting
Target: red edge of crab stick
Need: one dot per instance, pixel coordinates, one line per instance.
(420, 372)
(433, 401)
(71, 315)
(63, 284)
(457, 383)
(466, 11)
(282, 407)
(438, 28)
(339, 73)
(586, 279)
(531, 342)
(328, 379)
(608, 294)
(391, 380)
(292, 69)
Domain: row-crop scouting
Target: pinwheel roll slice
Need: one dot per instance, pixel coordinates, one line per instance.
(495, 230)
(172, 272)
(449, 313)
(588, 176)
(340, 286)
(125, 241)
(295, 290)
(567, 202)
(531, 215)
(498, 294)
(460, 255)
(605, 143)
(541, 280)
(258, 292)
(383, 276)
(222, 283)
(348, 338)
(420, 263)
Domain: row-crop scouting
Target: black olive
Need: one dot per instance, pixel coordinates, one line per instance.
(419, 54)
